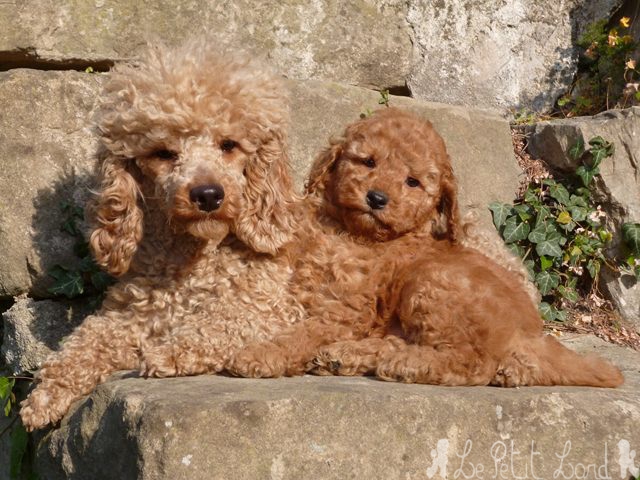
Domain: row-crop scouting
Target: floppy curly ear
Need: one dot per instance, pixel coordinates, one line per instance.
(448, 224)
(116, 217)
(322, 168)
(267, 222)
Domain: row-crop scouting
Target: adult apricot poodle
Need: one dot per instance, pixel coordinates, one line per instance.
(195, 202)
(397, 302)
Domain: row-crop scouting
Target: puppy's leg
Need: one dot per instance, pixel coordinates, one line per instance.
(97, 348)
(290, 353)
(353, 357)
(424, 364)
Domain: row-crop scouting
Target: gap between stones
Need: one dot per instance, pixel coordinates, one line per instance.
(27, 58)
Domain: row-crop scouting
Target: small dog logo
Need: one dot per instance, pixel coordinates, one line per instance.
(626, 460)
(440, 459)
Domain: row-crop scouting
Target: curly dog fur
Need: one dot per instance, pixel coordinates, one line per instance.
(395, 301)
(194, 204)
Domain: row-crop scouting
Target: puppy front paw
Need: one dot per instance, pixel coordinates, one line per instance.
(258, 361)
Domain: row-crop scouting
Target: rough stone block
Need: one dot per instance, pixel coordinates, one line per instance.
(500, 55)
(47, 151)
(33, 329)
(215, 427)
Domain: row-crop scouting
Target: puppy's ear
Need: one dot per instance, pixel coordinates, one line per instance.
(116, 216)
(322, 168)
(448, 225)
(267, 222)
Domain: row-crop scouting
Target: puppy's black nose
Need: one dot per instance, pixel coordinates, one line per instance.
(377, 200)
(207, 197)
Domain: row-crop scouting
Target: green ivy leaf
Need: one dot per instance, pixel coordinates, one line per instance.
(631, 236)
(515, 230)
(6, 386)
(568, 293)
(547, 281)
(523, 211)
(101, 280)
(516, 249)
(579, 214)
(577, 150)
(532, 196)
(538, 234)
(560, 193)
(545, 263)
(550, 247)
(561, 315)
(530, 266)
(500, 213)
(67, 282)
(600, 149)
(578, 201)
(547, 311)
(593, 266)
(586, 174)
(543, 213)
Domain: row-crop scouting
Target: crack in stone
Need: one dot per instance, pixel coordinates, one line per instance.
(29, 58)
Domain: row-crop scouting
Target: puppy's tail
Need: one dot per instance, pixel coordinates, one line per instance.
(545, 361)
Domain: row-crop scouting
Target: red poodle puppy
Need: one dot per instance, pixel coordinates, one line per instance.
(389, 289)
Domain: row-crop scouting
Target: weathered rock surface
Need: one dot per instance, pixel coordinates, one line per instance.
(471, 52)
(309, 427)
(366, 43)
(502, 54)
(46, 156)
(47, 150)
(33, 329)
(618, 188)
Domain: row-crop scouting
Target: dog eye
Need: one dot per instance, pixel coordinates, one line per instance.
(413, 182)
(369, 162)
(228, 145)
(165, 154)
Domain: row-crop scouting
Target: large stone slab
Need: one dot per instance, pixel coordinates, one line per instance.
(470, 52)
(46, 155)
(336, 428)
(363, 42)
(47, 150)
(618, 188)
(507, 54)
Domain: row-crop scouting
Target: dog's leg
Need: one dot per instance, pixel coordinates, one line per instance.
(288, 354)
(188, 350)
(97, 348)
(353, 357)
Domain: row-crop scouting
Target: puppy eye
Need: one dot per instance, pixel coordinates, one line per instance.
(165, 154)
(413, 182)
(227, 145)
(369, 162)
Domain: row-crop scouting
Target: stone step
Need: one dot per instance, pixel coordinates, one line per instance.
(216, 427)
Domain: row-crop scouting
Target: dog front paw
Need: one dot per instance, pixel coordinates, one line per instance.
(257, 361)
(42, 408)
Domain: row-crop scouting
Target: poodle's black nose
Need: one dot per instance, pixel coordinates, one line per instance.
(207, 197)
(377, 200)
